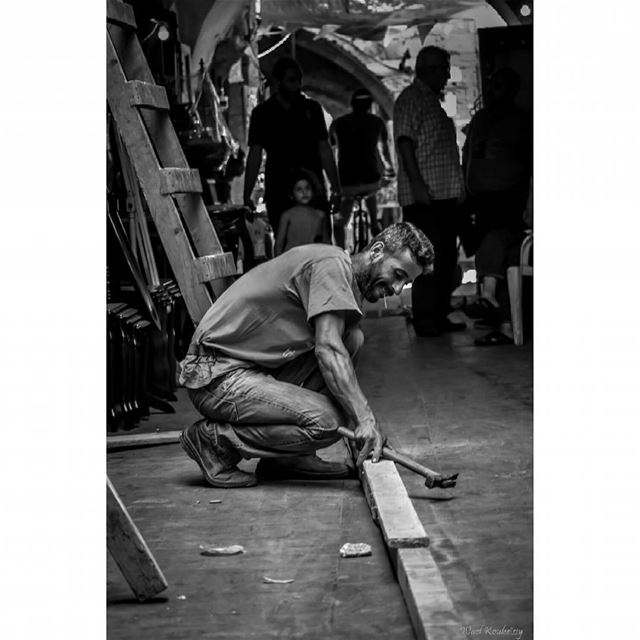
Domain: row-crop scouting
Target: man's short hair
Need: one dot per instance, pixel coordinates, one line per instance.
(404, 234)
(282, 66)
(361, 100)
(426, 52)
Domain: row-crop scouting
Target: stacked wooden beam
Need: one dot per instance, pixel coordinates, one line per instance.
(430, 607)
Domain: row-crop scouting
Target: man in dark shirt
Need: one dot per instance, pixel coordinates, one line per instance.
(357, 136)
(291, 129)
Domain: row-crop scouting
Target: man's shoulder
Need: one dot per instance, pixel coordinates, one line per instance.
(410, 91)
(408, 98)
(311, 104)
(309, 254)
(263, 111)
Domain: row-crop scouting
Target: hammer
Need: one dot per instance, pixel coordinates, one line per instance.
(433, 478)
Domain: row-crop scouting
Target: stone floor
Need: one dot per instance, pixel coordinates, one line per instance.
(457, 407)
(451, 405)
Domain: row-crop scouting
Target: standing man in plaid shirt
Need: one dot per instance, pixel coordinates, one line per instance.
(430, 185)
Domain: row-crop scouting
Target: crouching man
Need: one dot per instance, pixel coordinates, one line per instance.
(271, 364)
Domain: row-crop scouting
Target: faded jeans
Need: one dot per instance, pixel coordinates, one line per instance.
(265, 413)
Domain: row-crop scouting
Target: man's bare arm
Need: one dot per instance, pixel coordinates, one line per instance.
(254, 160)
(329, 165)
(338, 372)
(383, 145)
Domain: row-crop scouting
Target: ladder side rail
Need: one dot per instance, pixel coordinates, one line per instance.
(162, 208)
(166, 144)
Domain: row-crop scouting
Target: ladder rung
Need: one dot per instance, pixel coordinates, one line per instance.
(177, 180)
(146, 94)
(121, 14)
(217, 266)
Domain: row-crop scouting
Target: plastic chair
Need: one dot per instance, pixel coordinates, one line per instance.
(514, 283)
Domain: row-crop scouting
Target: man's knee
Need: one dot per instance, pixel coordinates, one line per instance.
(353, 340)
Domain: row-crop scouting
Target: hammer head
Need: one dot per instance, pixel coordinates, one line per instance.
(442, 482)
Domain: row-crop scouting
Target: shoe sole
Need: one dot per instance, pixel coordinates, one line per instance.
(192, 452)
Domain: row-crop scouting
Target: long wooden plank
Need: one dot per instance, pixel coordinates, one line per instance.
(130, 551)
(130, 54)
(141, 439)
(430, 607)
(391, 507)
(162, 208)
(120, 14)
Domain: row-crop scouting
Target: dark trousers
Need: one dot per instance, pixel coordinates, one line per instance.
(431, 294)
(499, 249)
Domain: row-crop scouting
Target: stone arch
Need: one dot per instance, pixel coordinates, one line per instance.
(331, 74)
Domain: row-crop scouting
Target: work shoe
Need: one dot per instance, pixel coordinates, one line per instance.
(308, 467)
(217, 462)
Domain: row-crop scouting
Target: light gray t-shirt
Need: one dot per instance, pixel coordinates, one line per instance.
(265, 317)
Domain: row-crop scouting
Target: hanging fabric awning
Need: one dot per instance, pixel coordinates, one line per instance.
(366, 19)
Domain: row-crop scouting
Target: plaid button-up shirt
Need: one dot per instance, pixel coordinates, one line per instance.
(418, 115)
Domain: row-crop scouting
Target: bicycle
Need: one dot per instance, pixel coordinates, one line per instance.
(362, 222)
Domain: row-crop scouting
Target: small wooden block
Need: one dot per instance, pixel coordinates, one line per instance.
(430, 607)
(142, 439)
(391, 506)
(178, 180)
(147, 94)
(121, 14)
(130, 551)
(213, 267)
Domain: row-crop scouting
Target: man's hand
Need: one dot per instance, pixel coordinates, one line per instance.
(334, 201)
(421, 192)
(369, 439)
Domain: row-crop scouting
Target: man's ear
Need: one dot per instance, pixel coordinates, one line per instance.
(376, 252)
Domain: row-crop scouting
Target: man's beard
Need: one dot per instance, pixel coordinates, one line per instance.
(371, 286)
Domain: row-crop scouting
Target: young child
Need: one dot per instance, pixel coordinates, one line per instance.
(302, 223)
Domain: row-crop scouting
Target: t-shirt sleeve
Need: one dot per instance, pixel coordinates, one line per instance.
(325, 286)
(256, 129)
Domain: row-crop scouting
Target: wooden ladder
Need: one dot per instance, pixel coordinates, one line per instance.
(171, 189)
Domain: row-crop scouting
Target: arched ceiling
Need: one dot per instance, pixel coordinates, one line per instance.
(203, 23)
(333, 66)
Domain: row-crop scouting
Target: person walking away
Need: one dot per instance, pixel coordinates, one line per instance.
(363, 156)
(302, 223)
(291, 129)
(430, 185)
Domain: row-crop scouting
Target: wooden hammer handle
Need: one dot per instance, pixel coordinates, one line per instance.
(399, 458)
